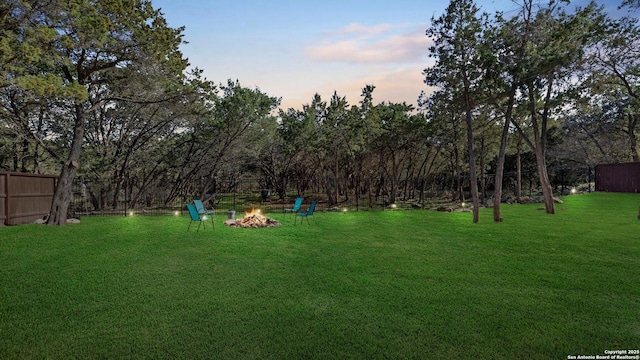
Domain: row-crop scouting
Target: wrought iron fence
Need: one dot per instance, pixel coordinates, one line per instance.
(350, 194)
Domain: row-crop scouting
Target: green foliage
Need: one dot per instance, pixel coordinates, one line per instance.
(631, 3)
(457, 47)
(456, 36)
(51, 86)
(111, 73)
(393, 284)
(608, 109)
(85, 54)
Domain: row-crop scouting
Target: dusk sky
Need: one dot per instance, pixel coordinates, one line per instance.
(295, 48)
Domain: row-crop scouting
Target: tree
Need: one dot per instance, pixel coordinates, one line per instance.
(457, 38)
(95, 44)
(613, 80)
(31, 140)
(280, 155)
(502, 61)
(445, 123)
(29, 92)
(131, 141)
(554, 43)
(598, 131)
(394, 143)
(333, 143)
(233, 113)
(24, 44)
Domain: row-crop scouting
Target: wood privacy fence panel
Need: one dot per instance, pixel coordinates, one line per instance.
(618, 177)
(25, 197)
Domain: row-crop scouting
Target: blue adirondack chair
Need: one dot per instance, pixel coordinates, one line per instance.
(296, 206)
(307, 214)
(193, 213)
(203, 211)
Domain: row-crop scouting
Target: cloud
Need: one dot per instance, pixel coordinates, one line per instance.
(390, 57)
(360, 44)
(359, 29)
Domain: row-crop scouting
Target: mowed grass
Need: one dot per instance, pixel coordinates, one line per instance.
(366, 285)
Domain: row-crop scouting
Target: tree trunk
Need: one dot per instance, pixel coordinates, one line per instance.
(483, 178)
(545, 184)
(64, 190)
(329, 191)
(472, 156)
(457, 177)
(336, 175)
(497, 197)
(633, 141)
(472, 173)
(472, 162)
(539, 146)
(518, 189)
(15, 156)
(24, 157)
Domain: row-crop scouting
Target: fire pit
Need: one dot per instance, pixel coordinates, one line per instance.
(252, 219)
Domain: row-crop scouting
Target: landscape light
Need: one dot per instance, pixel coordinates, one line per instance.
(176, 213)
(464, 204)
(131, 213)
(394, 206)
(344, 210)
(573, 190)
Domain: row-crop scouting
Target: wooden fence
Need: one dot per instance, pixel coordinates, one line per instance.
(25, 197)
(618, 177)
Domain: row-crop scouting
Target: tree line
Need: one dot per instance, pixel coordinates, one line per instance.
(101, 90)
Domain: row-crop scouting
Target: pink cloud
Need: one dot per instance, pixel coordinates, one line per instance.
(374, 45)
(359, 29)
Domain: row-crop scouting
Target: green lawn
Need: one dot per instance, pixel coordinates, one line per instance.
(367, 285)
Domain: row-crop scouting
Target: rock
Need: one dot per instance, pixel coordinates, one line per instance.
(73, 221)
(557, 200)
(524, 200)
(39, 221)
